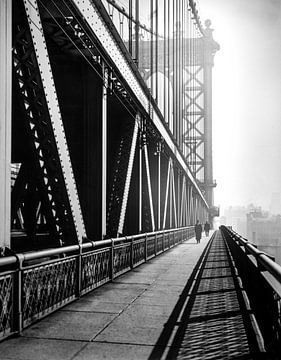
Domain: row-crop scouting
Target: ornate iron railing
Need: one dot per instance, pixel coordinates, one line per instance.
(261, 278)
(34, 284)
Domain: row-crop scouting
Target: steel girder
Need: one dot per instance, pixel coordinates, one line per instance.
(5, 118)
(97, 20)
(146, 173)
(194, 116)
(50, 157)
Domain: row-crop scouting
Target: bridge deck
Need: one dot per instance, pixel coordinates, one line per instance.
(185, 304)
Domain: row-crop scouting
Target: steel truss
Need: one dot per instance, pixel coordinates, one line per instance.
(50, 160)
(121, 171)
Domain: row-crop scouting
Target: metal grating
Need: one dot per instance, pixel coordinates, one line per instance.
(222, 338)
(212, 325)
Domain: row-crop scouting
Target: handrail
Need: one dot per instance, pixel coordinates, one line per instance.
(263, 259)
(261, 281)
(34, 284)
(89, 246)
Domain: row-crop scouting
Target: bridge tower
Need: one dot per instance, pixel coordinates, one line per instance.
(105, 120)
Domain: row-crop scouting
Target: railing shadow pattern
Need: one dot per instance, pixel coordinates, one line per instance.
(210, 320)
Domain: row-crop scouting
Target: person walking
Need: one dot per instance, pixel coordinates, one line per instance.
(198, 231)
(207, 227)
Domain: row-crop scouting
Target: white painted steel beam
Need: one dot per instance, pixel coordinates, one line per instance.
(129, 175)
(159, 189)
(91, 14)
(167, 194)
(182, 203)
(174, 196)
(149, 187)
(140, 189)
(5, 119)
(42, 56)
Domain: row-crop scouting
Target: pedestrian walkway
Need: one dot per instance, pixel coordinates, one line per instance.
(184, 304)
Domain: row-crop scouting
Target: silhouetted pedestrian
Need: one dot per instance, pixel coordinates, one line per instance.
(198, 231)
(207, 227)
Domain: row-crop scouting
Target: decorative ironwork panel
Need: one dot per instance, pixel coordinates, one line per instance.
(150, 247)
(95, 269)
(122, 259)
(177, 237)
(172, 239)
(139, 252)
(48, 287)
(6, 296)
(166, 241)
(159, 243)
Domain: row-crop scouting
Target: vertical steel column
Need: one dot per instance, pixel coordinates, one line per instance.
(208, 173)
(169, 119)
(156, 50)
(5, 118)
(130, 20)
(104, 150)
(137, 28)
(151, 48)
(159, 187)
(140, 179)
(164, 66)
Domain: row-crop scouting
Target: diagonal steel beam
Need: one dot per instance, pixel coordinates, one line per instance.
(40, 47)
(167, 194)
(148, 178)
(129, 175)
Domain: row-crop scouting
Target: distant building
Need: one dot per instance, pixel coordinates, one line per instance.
(236, 216)
(265, 232)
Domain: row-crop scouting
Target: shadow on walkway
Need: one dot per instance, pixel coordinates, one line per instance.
(210, 319)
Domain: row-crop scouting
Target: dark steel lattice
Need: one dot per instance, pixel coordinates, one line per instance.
(43, 153)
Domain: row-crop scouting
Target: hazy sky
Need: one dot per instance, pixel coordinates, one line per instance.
(246, 99)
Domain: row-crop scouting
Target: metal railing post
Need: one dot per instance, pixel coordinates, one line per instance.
(163, 242)
(112, 260)
(132, 253)
(145, 244)
(169, 240)
(155, 245)
(18, 318)
(79, 272)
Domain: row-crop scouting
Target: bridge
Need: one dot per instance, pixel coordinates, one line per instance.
(105, 167)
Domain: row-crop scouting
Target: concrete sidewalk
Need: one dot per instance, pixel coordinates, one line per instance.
(120, 320)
